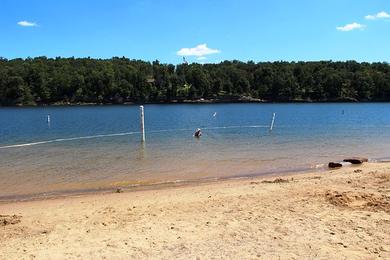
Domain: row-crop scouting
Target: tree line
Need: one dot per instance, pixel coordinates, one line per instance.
(41, 80)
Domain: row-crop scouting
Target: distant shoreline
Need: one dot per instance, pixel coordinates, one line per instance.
(121, 80)
(199, 101)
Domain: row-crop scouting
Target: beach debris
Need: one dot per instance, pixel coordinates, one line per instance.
(277, 180)
(356, 160)
(342, 244)
(119, 190)
(334, 165)
(6, 220)
(357, 171)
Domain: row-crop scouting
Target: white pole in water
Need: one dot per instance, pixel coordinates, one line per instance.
(142, 123)
(48, 119)
(272, 122)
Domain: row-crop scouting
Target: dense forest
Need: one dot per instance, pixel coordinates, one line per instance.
(41, 80)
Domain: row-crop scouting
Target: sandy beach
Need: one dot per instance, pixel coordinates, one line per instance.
(339, 214)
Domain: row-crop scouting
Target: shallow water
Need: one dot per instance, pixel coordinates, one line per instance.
(95, 147)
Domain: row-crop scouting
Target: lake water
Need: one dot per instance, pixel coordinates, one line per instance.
(98, 147)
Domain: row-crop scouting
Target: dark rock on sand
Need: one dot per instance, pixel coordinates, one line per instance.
(356, 160)
(334, 165)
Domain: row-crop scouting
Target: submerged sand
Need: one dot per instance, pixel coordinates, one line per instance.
(340, 214)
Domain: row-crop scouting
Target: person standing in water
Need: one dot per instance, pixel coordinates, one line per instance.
(198, 133)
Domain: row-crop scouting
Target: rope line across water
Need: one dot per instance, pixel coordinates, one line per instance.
(123, 134)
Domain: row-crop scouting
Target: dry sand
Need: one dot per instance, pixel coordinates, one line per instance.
(339, 214)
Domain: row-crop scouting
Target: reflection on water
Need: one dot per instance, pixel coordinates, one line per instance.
(141, 151)
(97, 147)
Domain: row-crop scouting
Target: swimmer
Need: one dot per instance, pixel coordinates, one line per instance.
(198, 133)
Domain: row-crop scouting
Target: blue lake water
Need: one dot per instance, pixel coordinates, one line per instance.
(93, 147)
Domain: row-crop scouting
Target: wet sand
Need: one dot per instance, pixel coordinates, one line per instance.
(341, 214)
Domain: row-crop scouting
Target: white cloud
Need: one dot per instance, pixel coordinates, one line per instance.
(380, 15)
(350, 27)
(199, 51)
(383, 15)
(202, 58)
(27, 24)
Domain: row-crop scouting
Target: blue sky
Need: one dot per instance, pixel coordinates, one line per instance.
(203, 30)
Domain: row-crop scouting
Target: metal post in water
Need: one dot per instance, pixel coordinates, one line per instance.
(272, 122)
(142, 123)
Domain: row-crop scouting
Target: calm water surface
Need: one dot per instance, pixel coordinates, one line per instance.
(87, 148)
